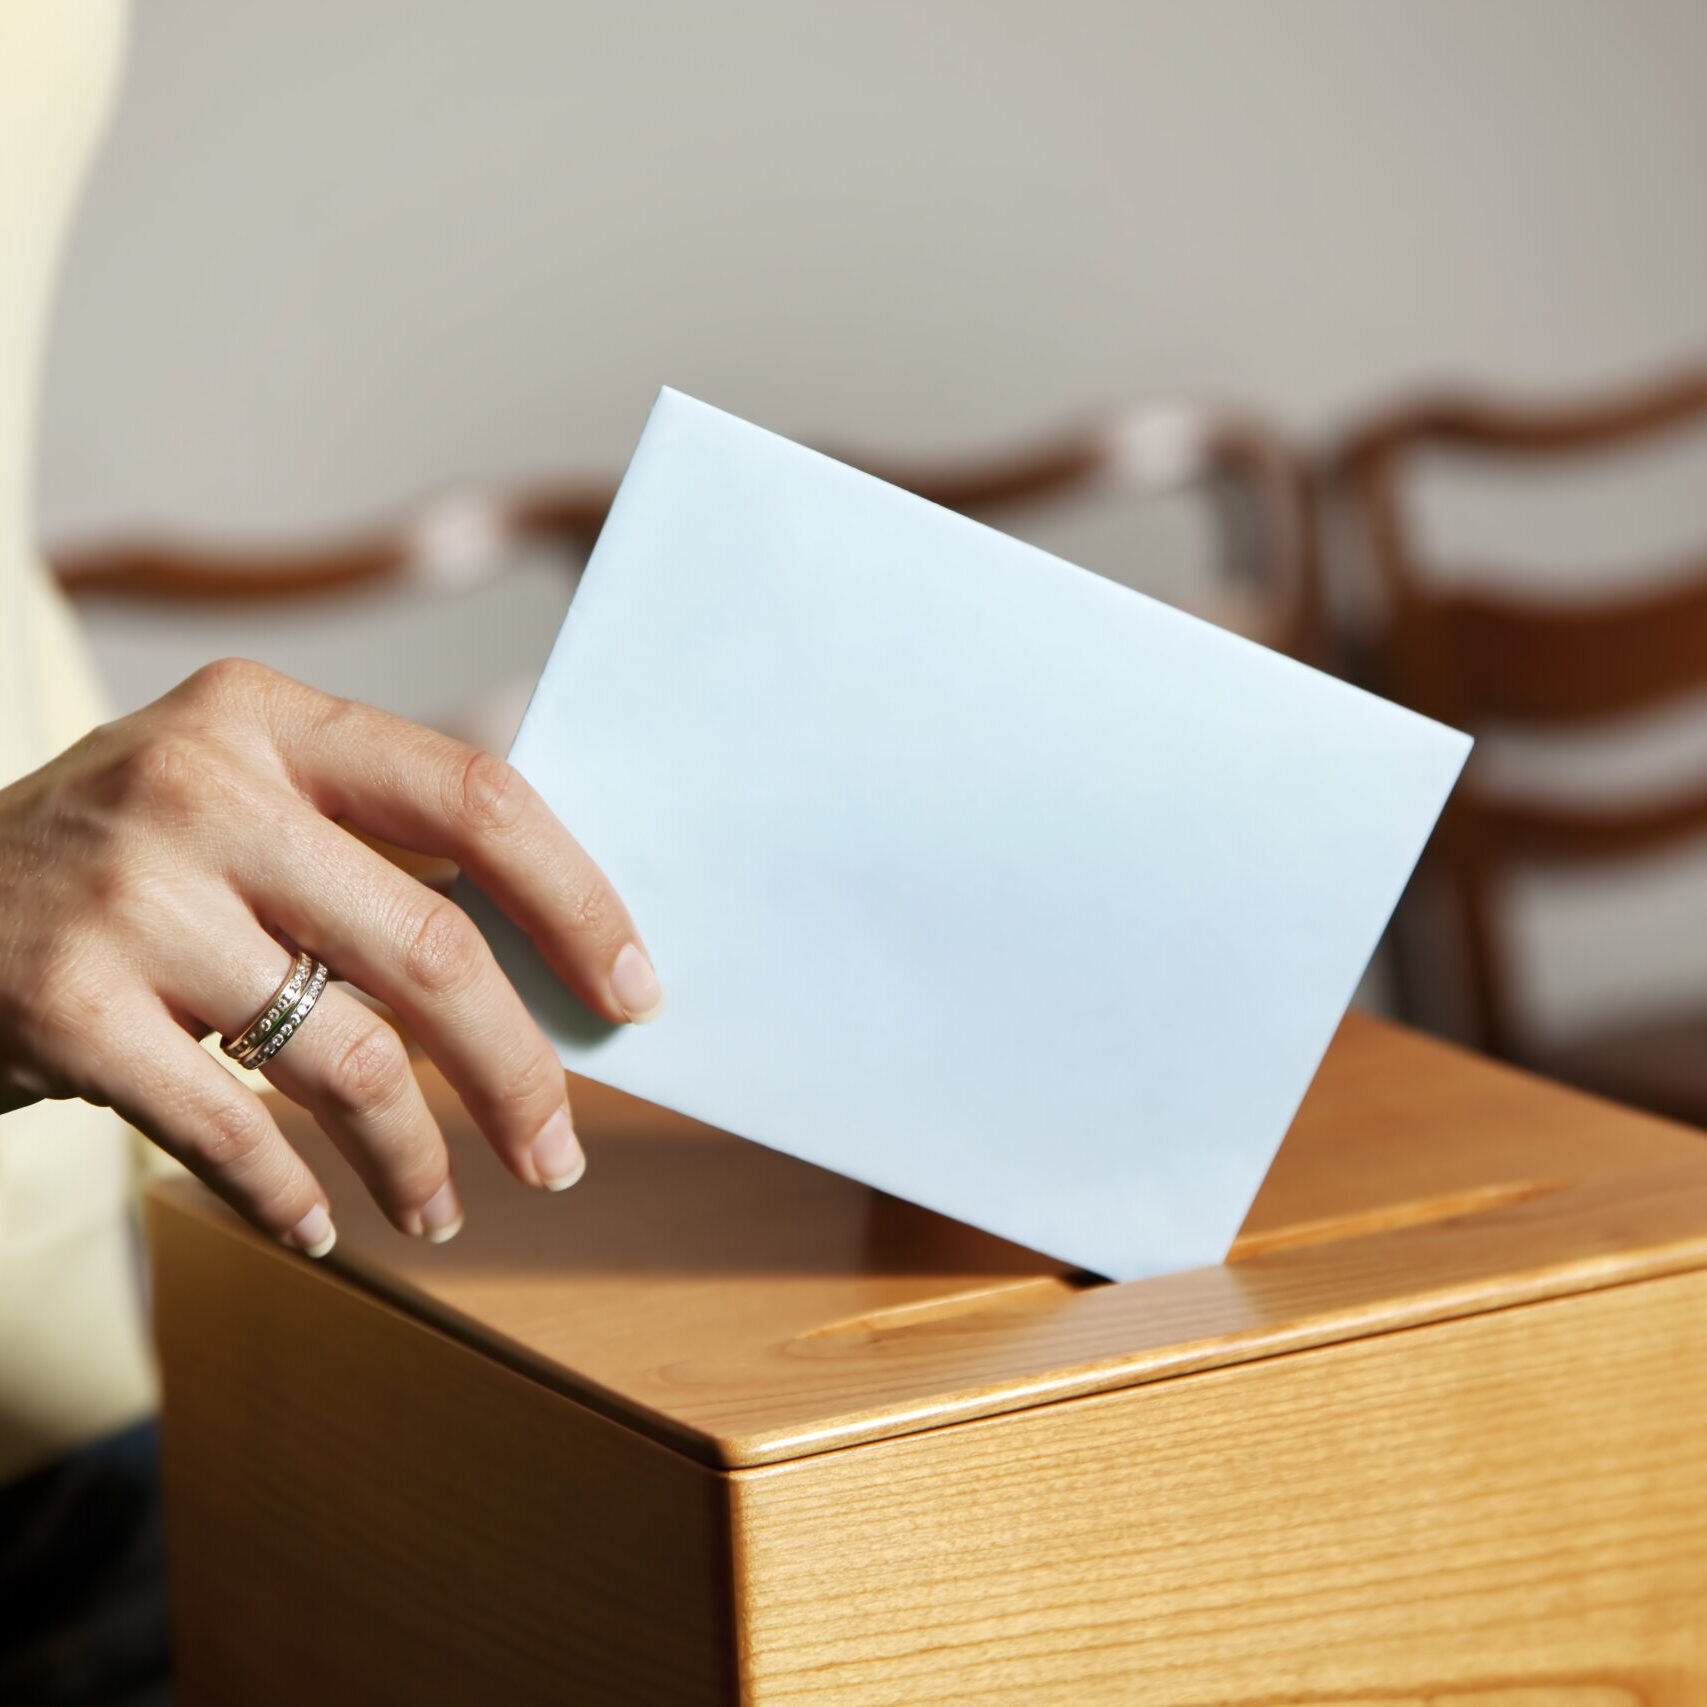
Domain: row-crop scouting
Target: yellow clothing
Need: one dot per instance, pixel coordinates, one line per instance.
(73, 1353)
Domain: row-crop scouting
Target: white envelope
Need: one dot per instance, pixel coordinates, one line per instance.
(967, 873)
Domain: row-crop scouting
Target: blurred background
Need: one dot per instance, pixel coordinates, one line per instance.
(337, 259)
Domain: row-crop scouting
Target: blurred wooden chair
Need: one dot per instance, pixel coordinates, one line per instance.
(1486, 660)
(1258, 487)
(455, 539)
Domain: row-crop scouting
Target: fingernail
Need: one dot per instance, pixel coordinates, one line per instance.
(558, 1158)
(314, 1235)
(441, 1215)
(635, 985)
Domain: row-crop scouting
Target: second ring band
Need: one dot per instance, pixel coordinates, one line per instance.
(280, 1020)
(288, 1027)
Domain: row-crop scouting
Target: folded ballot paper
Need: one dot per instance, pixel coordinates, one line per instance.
(968, 873)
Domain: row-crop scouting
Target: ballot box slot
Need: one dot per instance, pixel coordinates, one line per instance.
(1009, 1298)
(1015, 1297)
(1390, 1217)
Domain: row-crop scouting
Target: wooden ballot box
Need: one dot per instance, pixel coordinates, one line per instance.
(719, 1427)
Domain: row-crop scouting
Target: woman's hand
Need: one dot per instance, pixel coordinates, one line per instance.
(150, 876)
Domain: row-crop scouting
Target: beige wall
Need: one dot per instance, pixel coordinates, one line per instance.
(335, 249)
(338, 252)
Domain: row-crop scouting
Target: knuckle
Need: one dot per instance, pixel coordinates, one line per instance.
(539, 1086)
(227, 680)
(236, 708)
(596, 914)
(492, 798)
(443, 953)
(370, 1069)
(172, 773)
(526, 1078)
(334, 721)
(418, 1169)
(228, 1139)
(166, 772)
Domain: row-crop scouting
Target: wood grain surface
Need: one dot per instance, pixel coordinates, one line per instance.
(1508, 1510)
(746, 1307)
(362, 1510)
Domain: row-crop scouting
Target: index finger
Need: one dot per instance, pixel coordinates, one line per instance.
(425, 791)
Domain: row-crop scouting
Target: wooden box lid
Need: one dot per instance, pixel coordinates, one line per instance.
(748, 1308)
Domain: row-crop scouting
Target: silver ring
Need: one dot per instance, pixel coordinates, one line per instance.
(280, 1020)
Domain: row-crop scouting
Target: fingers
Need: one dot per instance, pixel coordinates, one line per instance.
(348, 1068)
(154, 852)
(168, 1087)
(422, 956)
(427, 792)
(313, 884)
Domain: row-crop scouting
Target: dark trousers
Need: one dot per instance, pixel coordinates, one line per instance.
(83, 1580)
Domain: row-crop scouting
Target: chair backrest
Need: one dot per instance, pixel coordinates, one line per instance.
(1483, 659)
(456, 538)
(1260, 487)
